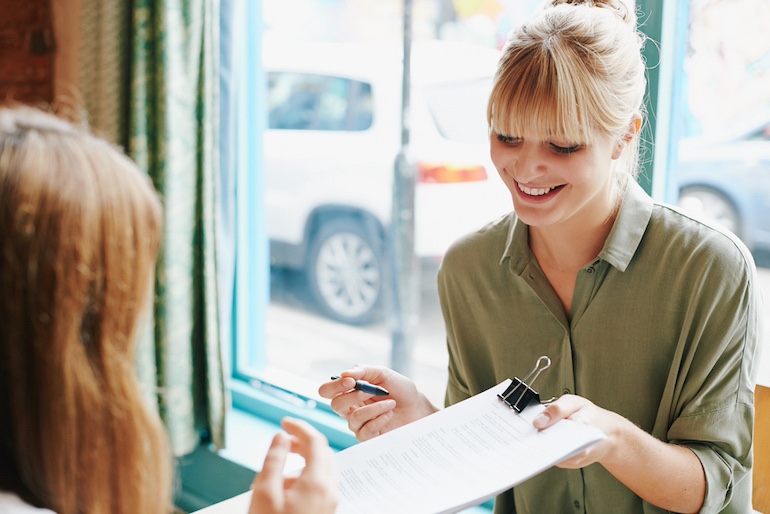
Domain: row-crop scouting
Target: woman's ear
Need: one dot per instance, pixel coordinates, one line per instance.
(633, 130)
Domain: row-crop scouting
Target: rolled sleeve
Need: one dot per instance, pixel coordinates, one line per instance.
(724, 450)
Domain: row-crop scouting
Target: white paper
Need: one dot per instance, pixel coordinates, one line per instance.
(446, 462)
(458, 457)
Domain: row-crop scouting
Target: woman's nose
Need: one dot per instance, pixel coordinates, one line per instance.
(524, 165)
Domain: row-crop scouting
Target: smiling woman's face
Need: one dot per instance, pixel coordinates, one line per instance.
(557, 182)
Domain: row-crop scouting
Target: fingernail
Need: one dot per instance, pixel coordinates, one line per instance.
(281, 438)
(541, 420)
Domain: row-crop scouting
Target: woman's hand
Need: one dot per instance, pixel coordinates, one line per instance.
(581, 410)
(667, 475)
(314, 490)
(369, 416)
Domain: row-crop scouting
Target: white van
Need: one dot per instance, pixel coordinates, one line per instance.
(334, 131)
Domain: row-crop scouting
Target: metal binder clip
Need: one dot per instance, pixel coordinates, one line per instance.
(521, 390)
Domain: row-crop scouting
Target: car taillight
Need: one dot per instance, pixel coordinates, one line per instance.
(440, 173)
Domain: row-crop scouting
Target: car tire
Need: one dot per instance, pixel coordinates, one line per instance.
(345, 270)
(712, 206)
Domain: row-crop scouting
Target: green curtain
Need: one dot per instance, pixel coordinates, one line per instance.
(104, 58)
(149, 78)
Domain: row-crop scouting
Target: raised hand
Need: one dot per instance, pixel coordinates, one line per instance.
(314, 490)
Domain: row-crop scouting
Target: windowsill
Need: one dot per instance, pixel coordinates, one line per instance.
(249, 435)
(248, 439)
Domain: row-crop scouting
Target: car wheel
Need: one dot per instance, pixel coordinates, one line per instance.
(710, 205)
(345, 271)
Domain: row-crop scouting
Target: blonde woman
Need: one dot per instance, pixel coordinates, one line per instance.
(648, 316)
(80, 227)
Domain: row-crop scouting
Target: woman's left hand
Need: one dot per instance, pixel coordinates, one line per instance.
(581, 410)
(667, 475)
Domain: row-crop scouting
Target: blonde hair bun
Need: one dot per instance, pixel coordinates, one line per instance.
(619, 7)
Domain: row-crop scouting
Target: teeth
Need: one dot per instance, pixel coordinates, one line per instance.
(536, 191)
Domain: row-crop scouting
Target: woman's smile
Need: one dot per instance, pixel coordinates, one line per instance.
(531, 193)
(549, 187)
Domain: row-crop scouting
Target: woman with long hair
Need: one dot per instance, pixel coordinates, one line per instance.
(80, 229)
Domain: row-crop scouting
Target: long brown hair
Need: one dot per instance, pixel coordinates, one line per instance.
(80, 229)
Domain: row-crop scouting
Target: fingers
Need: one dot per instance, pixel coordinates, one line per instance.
(347, 403)
(369, 416)
(345, 399)
(578, 461)
(562, 408)
(308, 442)
(369, 421)
(373, 374)
(267, 488)
(361, 409)
(336, 387)
(315, 489)
(575, 408)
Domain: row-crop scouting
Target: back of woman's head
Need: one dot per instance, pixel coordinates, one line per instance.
(80, 227)
(573, 69)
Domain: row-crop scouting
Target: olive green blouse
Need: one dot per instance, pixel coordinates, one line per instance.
(663, 330)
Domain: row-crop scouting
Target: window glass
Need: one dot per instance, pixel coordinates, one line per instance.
(304, 101)
(333, 141)
(761, 134)
(459, 109)
(723, 168)
(329, 155)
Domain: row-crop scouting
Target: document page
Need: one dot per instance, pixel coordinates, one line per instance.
(451, 460)
(456, 458)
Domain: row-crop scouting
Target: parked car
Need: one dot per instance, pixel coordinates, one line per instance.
(334, 132)
(726, 179)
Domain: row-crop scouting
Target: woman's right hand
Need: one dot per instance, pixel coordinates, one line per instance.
(369, 416)
(314, 490)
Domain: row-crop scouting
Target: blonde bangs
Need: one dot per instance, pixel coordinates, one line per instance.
(535, 96)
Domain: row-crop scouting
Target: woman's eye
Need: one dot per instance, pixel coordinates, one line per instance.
(565, 149)
(508, 140)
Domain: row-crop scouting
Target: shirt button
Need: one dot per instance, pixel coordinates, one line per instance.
(576, 504)
(566, 391)
(590, 270)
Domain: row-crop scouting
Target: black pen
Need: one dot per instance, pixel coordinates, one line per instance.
(367, 388)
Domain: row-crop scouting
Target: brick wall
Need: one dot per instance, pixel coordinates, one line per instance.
(26, 51)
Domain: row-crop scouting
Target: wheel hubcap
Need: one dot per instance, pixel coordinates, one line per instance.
(348, 274)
